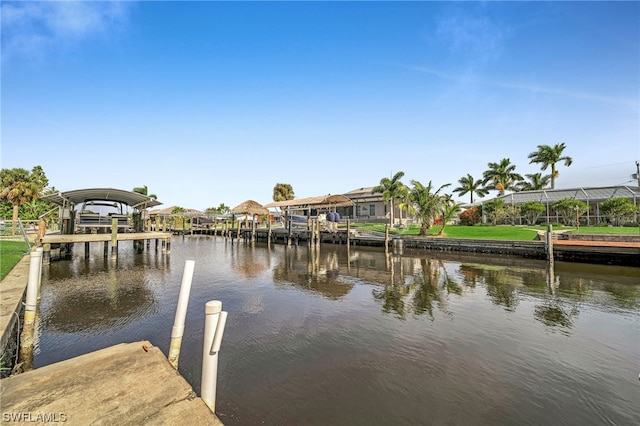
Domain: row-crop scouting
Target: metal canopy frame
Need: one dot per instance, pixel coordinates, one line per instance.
(131, 199)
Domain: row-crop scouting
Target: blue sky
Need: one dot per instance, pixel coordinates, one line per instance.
(215, 102)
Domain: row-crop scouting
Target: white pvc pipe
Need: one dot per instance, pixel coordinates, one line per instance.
(181, 312)
(41, 251)
(35, 265)
(214, 323)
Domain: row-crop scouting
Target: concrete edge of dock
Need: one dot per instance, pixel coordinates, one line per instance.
(12, 291)
(125, 384)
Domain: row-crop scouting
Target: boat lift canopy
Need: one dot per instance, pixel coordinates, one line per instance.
(72, 198)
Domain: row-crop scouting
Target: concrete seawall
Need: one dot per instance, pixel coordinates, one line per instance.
(12, 291)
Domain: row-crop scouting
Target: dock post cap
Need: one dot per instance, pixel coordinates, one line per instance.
(213, 307)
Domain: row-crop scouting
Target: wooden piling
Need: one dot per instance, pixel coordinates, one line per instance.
(386, 236)
(114, 237)
(348, 233)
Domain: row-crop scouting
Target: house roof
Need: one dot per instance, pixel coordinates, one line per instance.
(589, 194)
(168, 211)
(364, 195)
(250, 207)
(132, 199)
(323, 201)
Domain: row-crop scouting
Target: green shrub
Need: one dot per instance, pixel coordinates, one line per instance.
(469, 217)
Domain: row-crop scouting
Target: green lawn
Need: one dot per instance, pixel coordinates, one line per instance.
(503, 232)
(10, 254)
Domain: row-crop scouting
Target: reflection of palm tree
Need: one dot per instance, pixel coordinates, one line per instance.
(392, 299)
(499, 286)
(418, 294)
(428, 291)
(553, 315)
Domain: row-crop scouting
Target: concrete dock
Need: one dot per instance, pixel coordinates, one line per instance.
(126, 384)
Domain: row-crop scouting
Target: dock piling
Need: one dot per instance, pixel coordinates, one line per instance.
(214, 323)
(35, 268)
(181, 312)
(114, 238)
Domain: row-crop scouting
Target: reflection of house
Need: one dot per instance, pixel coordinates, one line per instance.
(593, 197)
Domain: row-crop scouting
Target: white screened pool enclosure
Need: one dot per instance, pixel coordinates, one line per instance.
(592, 196)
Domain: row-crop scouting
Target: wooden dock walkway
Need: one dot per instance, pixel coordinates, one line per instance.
(49, 241)
(122, 236)
(125, 384)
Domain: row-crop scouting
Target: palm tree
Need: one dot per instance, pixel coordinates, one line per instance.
(402, 197)
(469, 185)
(449, 210)
(548, 156)
(19, 186)
(390, 189)
(145, 191)
(425, 204)
(283, 192)
(501, 176)
(536, 182)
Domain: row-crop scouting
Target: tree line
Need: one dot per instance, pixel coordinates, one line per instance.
(21, 190)
(428, 203)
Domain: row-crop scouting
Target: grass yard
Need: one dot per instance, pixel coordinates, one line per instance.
(10, 254)
(502, 232)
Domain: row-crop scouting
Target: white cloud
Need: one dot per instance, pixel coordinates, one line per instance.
(33, 29)
(475, 38)
(532, 88)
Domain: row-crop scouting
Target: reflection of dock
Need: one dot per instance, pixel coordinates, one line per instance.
(125, 384)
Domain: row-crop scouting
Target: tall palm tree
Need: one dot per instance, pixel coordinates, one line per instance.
(403, 196)
(501, 176)
(471, 186)
(19, 186)
(391, 189)
(536, 182)
(145, 191)
(548, 156)
(425, 203)
(283, 192)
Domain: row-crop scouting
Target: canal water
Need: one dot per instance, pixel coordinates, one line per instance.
(332, 335)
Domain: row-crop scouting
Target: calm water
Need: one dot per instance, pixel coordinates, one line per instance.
(330, 336)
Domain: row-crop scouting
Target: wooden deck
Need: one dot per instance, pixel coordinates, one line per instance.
(61, 243)
(88, 238)
(126, 384)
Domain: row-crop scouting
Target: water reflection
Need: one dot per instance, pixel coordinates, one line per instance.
(314, 269)
(409, 337)
(556, 316)
(96, 294)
